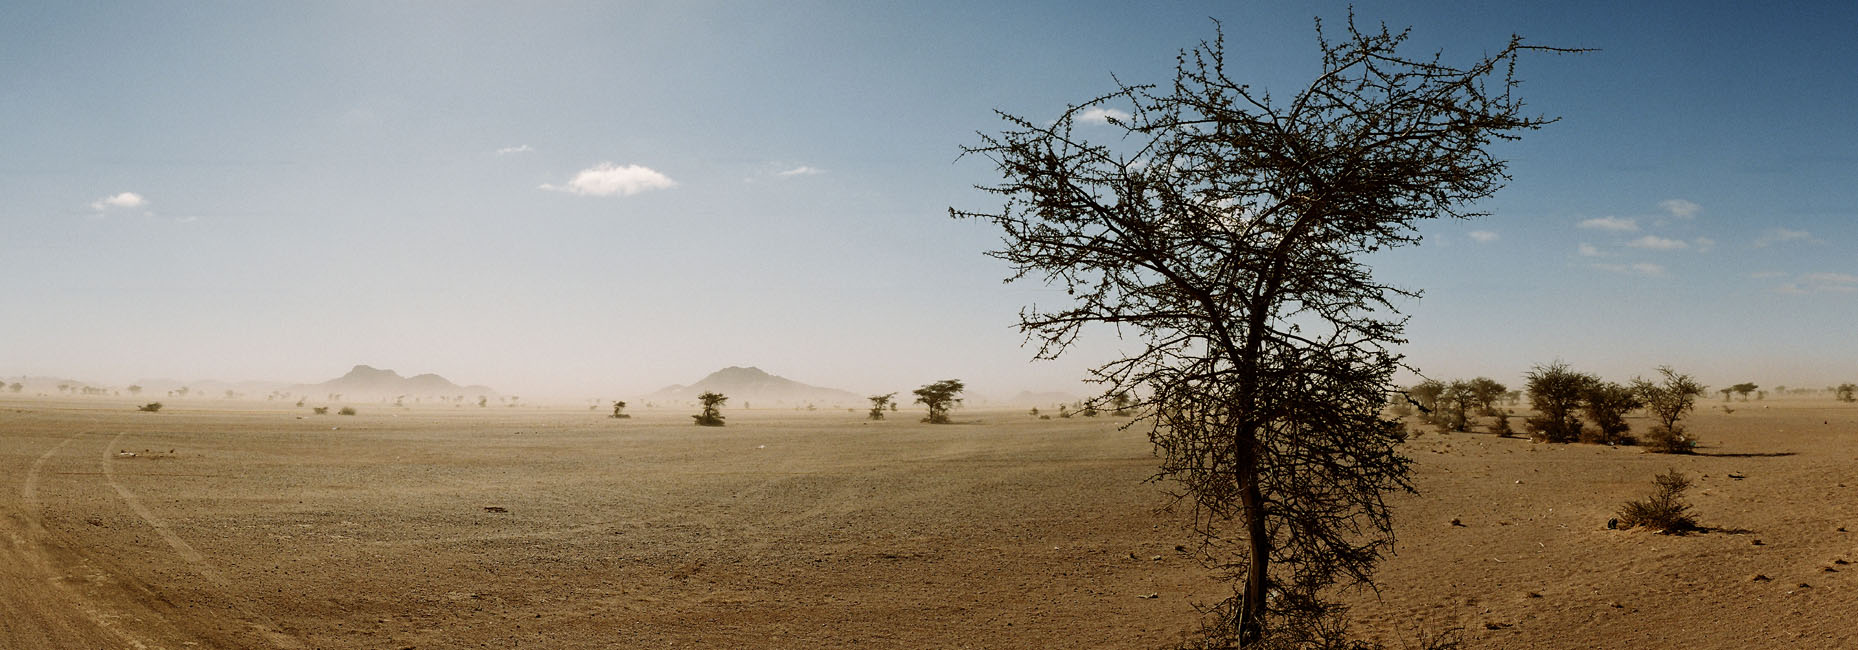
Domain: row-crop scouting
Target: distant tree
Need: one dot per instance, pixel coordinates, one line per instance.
(1606, 403)
(135, 390)
(182, 391)
(1452, 410)
(231, 395)
(878, 404)
(712, 415)
(1844, 392)
(939, 397)
(150, 407)
(1726, 392)
(1744, 389)
(1556, 392)
(1064, 411)
(1121, 402)
(320, 410)
(346, 410)
(1485, 392)
(619, 409)
(1427, 394)
(1761, 395)
(482, 401)
(16, 387)
(1500, 425)
(1667, 401)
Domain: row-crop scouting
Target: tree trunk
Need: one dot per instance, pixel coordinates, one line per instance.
(1251, 609)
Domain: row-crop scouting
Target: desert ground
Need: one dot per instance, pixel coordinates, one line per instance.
(249, 525)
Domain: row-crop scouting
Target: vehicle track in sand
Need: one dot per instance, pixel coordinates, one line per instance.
(195, 561)
(45, 610)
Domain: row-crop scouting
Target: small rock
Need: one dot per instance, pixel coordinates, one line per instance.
(1616, 605)
(1805, 586)
(1149, 596)
(1156, 559)
(1612, 524)
(495, 509)
(1759, 578)
(1758, 543)
(1457, 523)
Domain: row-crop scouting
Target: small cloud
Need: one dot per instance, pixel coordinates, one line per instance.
(1610, 223)
(521, 148)
(124, 200)
(1484, 236)
(1641, 268)
(1704, 244)
(1807, 283)
(1780, 236)
(1654, 242)
(1680, 208)
(1101, 115)
(1766, 275)
(802, 170)
(608, 179)
(1588, 250)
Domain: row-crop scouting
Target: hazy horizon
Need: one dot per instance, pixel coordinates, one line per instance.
(587, 200)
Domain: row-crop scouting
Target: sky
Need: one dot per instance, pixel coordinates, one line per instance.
(598, 199)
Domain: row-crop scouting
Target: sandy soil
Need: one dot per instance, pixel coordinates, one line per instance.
(505, 528)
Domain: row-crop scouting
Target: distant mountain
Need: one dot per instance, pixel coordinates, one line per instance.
(754, 385)
(370, 381)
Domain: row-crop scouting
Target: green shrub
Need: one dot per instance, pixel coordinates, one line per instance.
(150, 407)
(1670, 440)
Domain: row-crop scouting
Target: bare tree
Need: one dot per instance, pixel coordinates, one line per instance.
(1226, 229)
(939, 397)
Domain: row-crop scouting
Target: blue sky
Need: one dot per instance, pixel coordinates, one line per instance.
(602, 198)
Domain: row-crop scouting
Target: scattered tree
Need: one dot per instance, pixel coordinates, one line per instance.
(320, 410)
(346, 410)
(1845, 392)
(1034, 412)
(1606, 403)
(1556, 392)
(1121, 402)
(879, 402)
(1501, 425)
(135, 390)
(1668, 401)
(1427, 393)
(712, 415)
(939, 397)
(1484, 393)
(1665, 511)
(16, 387)
(1227, 229)
(1744, 389)
(619, 410)
(150, 407)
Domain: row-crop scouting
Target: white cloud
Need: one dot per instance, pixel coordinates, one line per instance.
(1641, 268)
(1657, 243)
(608, 179)
(1484, 236)
(522, 148)
(1588, 250)
(124, 200)
(1680, 208)
(1101, 115)
(802, 170)
(1766, 275)
(1610, 223)
(1781, 235)
(1704, 244)
(1807, 283)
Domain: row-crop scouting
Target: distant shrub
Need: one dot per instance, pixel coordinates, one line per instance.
(1665, 511)
(346, 410)
(1670, 440)
(150, 407)
(1847, 392)
(1606, 403)
(1501, 426)
(320, 410)
(1556, 391)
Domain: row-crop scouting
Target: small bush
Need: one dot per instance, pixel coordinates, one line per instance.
(1670, 440)
(346, 410)
(1665, 511)
(1501, 426)
(320, 410)
(150, 407)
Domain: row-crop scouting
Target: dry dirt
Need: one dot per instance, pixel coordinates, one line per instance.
(221, 525)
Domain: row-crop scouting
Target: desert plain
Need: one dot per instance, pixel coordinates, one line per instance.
(250, 525)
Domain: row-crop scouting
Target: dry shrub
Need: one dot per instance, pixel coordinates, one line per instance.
(150, 407)
(320, 410)
(1670, 440)
(1665, 511)
(1501, 426)
(346, 410)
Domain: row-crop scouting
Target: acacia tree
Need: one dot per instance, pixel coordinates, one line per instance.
(712, 415)
(1742, 389)
(1668, 401)
(878, 403)
(1226, 229)
(1844, 392)
(939, 397)
(1556, 392)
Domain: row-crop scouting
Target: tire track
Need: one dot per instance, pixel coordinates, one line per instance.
(49, 622)
(194, 559)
